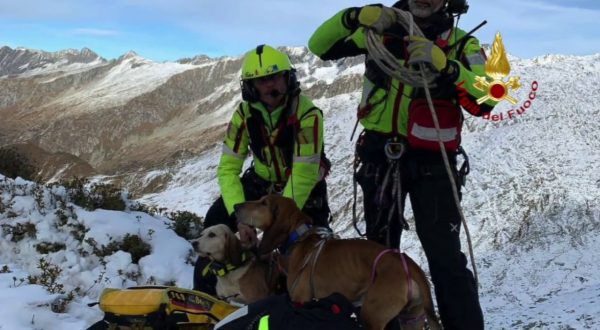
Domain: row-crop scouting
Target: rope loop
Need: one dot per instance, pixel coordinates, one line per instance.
(389, 64)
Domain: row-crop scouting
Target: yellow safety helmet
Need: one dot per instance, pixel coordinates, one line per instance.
(264, 61)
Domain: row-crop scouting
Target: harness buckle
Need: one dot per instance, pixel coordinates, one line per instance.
(394, 150)
(277, 188)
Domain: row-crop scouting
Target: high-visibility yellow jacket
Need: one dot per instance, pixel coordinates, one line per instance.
(389, 99)
(298, 137)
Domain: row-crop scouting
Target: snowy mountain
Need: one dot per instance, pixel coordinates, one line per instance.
(111, 115)
(131, 114)
(29, 62)
(532, 200)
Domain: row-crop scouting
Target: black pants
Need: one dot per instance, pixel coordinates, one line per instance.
(329, 313)
(437, 222)
(316, 207)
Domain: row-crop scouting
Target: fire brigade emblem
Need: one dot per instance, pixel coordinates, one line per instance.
(498, 68)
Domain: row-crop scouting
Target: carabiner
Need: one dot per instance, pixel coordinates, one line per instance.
(394, 150)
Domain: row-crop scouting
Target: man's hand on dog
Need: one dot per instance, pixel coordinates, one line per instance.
(247, 236)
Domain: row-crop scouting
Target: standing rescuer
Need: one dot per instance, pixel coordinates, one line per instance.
(398, 151)
(284, 131)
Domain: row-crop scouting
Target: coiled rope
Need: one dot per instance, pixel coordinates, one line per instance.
(389, 64)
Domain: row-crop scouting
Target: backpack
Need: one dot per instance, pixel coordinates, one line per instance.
(334, 312)
(421, 129)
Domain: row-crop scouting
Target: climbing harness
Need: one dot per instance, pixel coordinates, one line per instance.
(312, 257)
(393, 180)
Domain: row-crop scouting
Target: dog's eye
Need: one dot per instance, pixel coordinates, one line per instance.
(211, 235)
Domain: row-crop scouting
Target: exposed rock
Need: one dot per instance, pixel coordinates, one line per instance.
(40, 165)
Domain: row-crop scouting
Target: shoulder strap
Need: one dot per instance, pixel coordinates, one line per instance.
(286, 131)
(257, 132)
(238, 136)
(325, 162)
(288, 125)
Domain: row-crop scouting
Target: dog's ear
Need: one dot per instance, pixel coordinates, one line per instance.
(272, 238)
(233, 249)
(286, 208)
(281, 226)
(278, 205)
(270, 201)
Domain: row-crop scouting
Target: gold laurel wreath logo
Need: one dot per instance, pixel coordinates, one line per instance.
(497, 67)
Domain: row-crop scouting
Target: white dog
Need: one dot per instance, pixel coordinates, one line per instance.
(240, 279)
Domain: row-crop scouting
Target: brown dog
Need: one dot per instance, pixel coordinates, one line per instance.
(240, 280)
(316, 268)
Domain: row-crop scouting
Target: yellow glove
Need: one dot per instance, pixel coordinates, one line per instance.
(423, 50)
(377, 18)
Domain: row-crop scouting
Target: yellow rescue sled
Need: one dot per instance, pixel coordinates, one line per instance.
(159, 307)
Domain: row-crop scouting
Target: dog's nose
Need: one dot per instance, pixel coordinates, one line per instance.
(195, 244)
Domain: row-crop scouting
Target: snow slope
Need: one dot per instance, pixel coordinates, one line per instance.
(532, 202)
(28, 306)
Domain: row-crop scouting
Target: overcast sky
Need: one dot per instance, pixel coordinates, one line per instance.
(172, 29)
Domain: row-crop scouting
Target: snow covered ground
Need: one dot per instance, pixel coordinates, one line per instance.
(32, 214)
(532, 203)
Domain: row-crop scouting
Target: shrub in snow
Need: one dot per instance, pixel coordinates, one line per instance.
(93, 196)
(49, 247)
(186, 224)
(130, 243)
(74, 251)
(19, 231)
